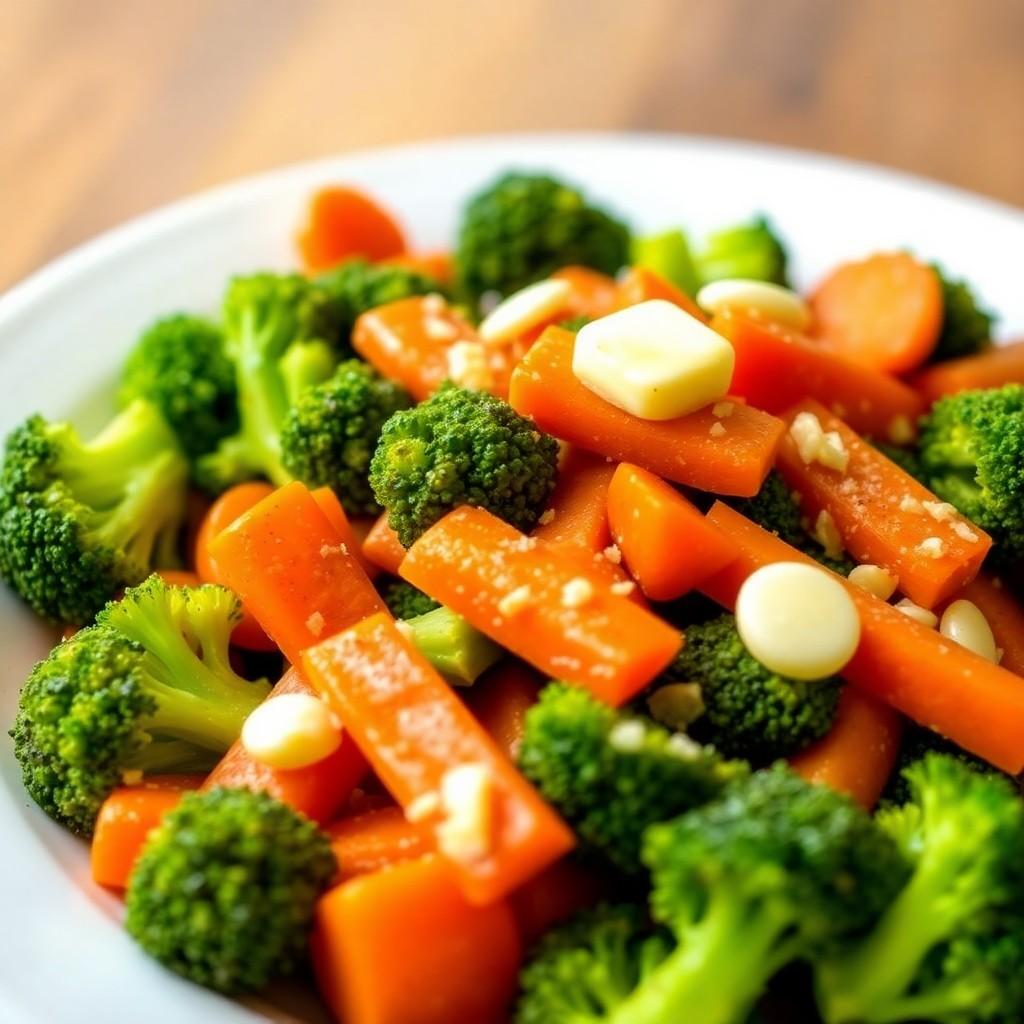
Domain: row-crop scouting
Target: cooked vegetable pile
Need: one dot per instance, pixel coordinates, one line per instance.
(575, 627)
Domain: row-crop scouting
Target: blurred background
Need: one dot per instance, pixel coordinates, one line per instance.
(112, 107)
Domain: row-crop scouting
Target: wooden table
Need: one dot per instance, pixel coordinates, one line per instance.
(111, 107)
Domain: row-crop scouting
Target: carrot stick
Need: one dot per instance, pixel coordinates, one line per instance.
(684, 450)
(667, 542)
(125, 820)
(403, 946)
(377, 839)
(593, 294)
(640, 284)
(884, 515)
(344, 223)
(555, 895)
(332, 508)
(382, 546)
(776, 367)
(530, 597)
(992, 369)
(436, 263)
(287, 563)
(858, 754)
(318, 791)
(884, 311)
(578, 511)
(415, 731)
(937, 683)
(499, 702)
(1005, 615)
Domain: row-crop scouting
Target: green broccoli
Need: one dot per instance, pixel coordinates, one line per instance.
(458, 651)
(612, 773)
(276, 330)
(574, 323)
(80, 519)
(224, 890)
(950, 947)
(668, 255)
(972, 455)
(749, 711)
(966, 326)
(330, 433)
(180, 366)
(405, 601)
(752, 251)
(148, 689)
(523, 227)
(461, 448)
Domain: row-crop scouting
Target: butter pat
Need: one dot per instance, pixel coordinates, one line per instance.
(653, 360)
(759, 298)
(291, 731)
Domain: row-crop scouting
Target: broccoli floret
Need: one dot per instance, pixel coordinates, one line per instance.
(277, 331)
(574, 323)
(749, 711)
(461, 448)
(668, 255)
(612, 773)
(80, 519)
(752, 251)
(180, 366)
(950, 947)
(405, 601)
(148, 689)
(775, 509)
(523, 227)
(966, 326)
(580, 973)
(224, 890)
(330, 433)
(458, 651)
(972, 455)
(356, 286)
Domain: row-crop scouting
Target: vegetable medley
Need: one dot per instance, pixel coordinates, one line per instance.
(573, 627)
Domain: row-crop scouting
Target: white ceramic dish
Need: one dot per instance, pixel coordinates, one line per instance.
(63, 956)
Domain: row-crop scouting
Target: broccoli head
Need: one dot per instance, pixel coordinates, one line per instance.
(80, 519)
(749, 711)
(405, 601)
(330, 433)
(523, 227)
(180, 366)
(751, 251)
(611, 774)
(972, 455)
(950, 946)
(147, 689)
(224, 890)
(461, 447)
(458, 651)
(966, 326)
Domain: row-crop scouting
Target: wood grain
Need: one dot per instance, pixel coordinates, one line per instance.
(111, 107)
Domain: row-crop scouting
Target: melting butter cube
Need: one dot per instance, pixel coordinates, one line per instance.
(653, 360)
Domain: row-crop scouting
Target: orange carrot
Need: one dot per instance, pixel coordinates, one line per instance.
(415, 731)
(318, 791)
(884, 311)
(593, 294)
(640, 284)
(499, 702)
(554, 896)
(776, 368)
(902, 663)
(667, 542)
(382, 546)
(992, 369)
(883, 515)
(858, 754)
(1005, 615)
(578, 510)
(377, 839)
(530, 597)
(287, 563)
(125, 820)
(233, 503)
(436, 263)
(344, 223)
(684, 450)
(403, 946)
(408, 341)
(332, 508)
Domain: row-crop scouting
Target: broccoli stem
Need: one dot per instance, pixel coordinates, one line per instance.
(305, 365)
(206, 720)
(164, 756)
(457, 650)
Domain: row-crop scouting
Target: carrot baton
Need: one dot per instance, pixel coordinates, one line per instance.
(532, 598)
(592, 294)
(578, 511)
(376, 839)
(436, 759)
(286, 561)
(937, 683)
(556, 895)
(641, 284)
(724, 454)
(331, 507)
(382, 546)
(883, 515)
(1005, 616)
(1001, 365)
(499, 702)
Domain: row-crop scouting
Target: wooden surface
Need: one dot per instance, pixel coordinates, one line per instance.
(112, 107)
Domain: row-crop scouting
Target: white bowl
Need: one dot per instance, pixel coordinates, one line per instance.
(63, 332)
